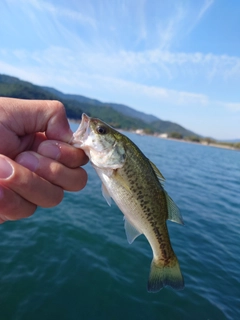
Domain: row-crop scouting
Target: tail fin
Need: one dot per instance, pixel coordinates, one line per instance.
(168, 275)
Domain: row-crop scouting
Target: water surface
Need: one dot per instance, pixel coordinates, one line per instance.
(74, 262)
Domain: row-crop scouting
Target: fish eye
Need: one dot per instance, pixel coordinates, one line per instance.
(101, 130)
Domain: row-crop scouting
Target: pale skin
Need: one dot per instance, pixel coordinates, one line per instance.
(37, 163)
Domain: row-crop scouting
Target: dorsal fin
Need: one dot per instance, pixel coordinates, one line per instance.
(157, 172)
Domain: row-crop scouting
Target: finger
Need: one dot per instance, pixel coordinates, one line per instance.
(39, 137)
(30, 116)
(53, 171)
(28, 184)
(63, 152)
(13, 206)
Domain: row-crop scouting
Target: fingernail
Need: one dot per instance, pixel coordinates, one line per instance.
(50, 149)
(6, 168)
(28, 160)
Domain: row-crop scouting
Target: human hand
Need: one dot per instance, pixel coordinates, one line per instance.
(36, 161)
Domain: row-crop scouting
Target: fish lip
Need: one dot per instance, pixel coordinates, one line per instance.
(82, 132)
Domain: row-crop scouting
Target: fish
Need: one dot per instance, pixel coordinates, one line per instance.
(136, 185)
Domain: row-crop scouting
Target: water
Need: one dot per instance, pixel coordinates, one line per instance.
(74, 262)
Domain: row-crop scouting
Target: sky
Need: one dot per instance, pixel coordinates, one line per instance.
(176, 59)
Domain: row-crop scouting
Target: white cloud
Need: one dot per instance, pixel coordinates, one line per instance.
(196, 15)
(132, 65)
(126, 70)
(212, 64)
(206, 5)
(55, 10)
(28, 74)
(52, 75)
(142, 67)
(235, 107)
(127, 52)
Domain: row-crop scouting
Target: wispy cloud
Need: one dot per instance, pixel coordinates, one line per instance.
(137, 52)
(132, 67)
(132, 27)
(234, 107)
(47, 66)
(56, 10)
(148, 65)
(206, 5)
(207, 65)
(196, 14)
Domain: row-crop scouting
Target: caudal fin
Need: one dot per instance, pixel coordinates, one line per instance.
(161, 276)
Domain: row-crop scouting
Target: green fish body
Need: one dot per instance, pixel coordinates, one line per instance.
(135, 184)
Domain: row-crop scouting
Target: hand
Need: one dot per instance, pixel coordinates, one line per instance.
(36, 161)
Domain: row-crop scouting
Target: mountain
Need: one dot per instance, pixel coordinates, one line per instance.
(76, 97)
(156, 124)
(15, 88)
(118, 107)
(117, 115)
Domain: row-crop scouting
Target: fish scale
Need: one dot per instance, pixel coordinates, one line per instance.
(135, 184)
(148, 209)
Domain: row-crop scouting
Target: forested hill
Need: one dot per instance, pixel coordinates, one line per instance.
(119, 116)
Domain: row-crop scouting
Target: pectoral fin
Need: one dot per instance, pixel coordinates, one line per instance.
(106, 195)
(173, 211)
(131, 232)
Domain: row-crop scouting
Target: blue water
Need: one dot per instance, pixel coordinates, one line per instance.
(74, 262)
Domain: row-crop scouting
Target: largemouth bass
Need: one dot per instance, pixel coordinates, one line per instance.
(136, 185)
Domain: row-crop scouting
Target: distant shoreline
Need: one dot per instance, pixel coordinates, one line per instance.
(202, 143)
(214, 145)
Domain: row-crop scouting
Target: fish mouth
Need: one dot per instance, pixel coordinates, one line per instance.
(82, 132)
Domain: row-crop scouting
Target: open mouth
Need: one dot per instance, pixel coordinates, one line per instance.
(82, 132)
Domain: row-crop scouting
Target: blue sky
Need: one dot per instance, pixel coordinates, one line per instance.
(176, 59)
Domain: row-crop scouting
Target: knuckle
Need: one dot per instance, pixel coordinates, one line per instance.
(55, 107)
(58, 106)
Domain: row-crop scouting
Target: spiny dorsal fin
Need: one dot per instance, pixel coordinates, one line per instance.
(157, 172)
(173, 211)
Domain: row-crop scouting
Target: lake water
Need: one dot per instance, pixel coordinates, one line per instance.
(74, 262)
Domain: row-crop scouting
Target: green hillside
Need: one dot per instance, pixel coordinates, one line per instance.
(114, 114)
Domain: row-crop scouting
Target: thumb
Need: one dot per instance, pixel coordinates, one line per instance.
(57, 126)
(31, 116)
